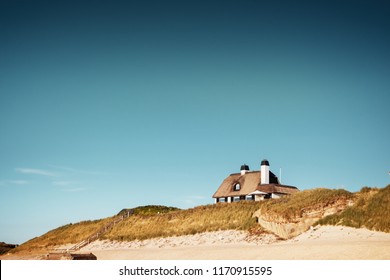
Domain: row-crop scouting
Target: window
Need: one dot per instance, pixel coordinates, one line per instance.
(237, 187)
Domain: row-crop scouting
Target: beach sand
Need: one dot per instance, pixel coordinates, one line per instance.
(318, 243)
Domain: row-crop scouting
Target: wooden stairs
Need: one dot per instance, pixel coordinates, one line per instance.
(97, 234)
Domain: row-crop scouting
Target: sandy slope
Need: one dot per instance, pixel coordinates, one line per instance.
(326, 242)
(319, 243)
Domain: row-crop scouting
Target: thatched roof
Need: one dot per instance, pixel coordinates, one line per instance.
(276, 188)
(249, 183)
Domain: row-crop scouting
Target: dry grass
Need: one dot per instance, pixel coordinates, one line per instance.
(291, 207)
(70, 233)
(371, 211)
(220, 216)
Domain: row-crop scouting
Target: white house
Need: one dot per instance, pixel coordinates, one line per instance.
(252, 185)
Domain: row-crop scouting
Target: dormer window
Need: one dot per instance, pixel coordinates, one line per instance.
(237, 187)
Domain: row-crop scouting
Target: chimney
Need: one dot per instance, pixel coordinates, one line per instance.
(244, 169)
(264, 170)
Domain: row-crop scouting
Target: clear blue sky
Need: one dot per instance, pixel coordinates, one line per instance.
(116, 104)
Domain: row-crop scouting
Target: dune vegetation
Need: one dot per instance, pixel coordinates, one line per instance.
(214, 217)
(148, 210)
(67, 234)
(289, 208)
(370, 209)
(151, 221)
(4, 247)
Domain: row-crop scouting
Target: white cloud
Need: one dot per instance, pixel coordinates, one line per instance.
(74, 170)
(35, 171)
(13, 182)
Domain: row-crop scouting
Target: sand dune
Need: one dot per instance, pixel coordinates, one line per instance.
(319, 243)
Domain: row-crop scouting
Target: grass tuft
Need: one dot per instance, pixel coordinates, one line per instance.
(292, 207)
(370, 211)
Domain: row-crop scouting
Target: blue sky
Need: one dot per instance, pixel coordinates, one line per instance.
(116, 104)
